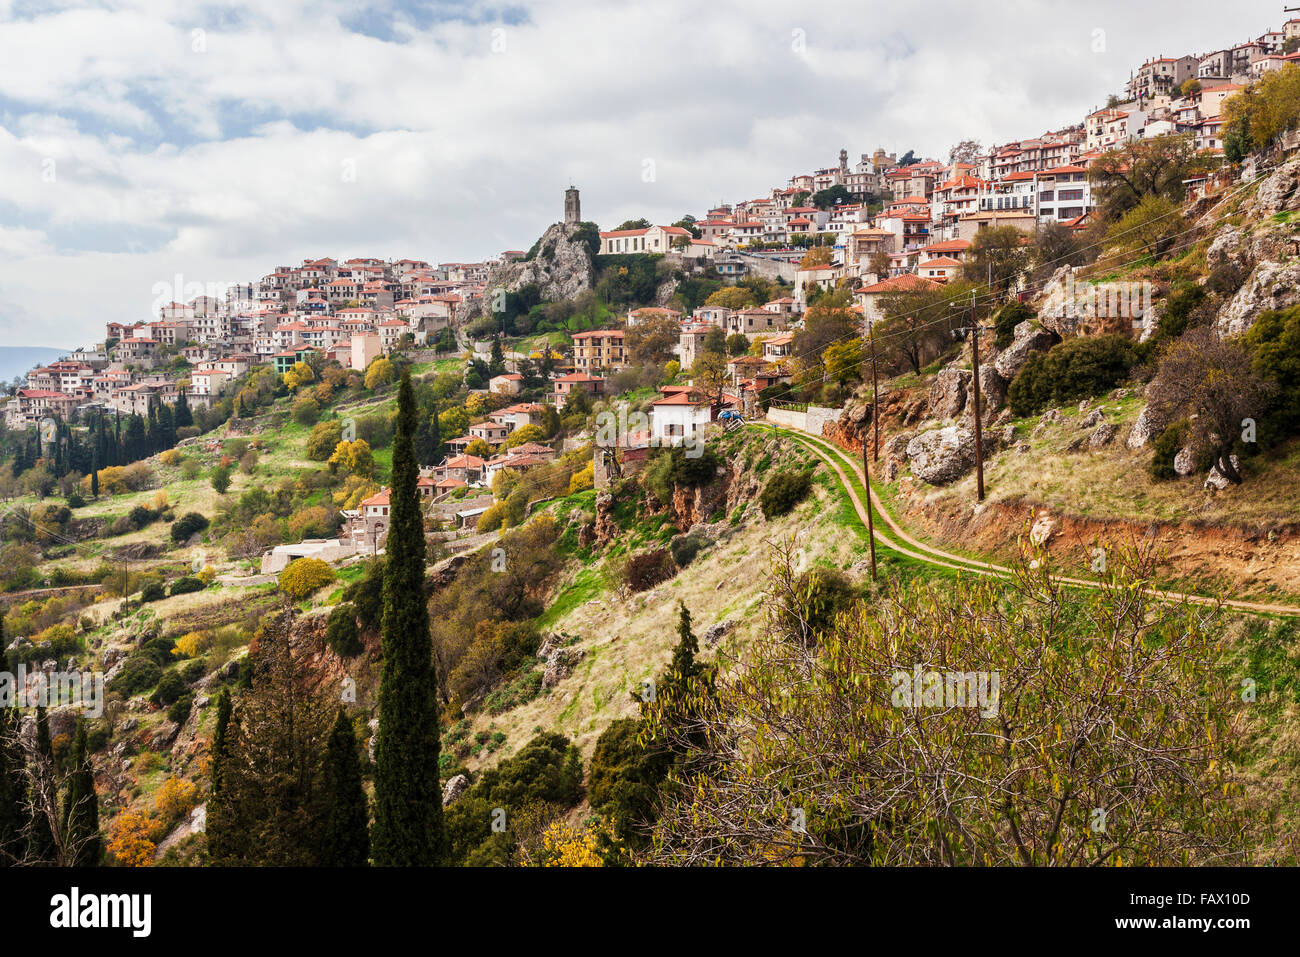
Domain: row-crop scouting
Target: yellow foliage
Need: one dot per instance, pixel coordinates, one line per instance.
(302, 576)
(170, 457)
(192, 644)
(565, 846)
(129, 840)
(176, 798)
(207, 574)
(582, 479)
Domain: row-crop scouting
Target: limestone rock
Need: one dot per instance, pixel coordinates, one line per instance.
(1148, 425)
(993, 396)
(456, 787)
(562, 268)
(1043, 529)
(1092, 419)
(1216, 480)
(1030, 337)
(1184, 462)
(1224, 247)
(1271, 285)
(948, 392)
(1103, 435)
(1278, 192)
(716, 632)
(943, 455)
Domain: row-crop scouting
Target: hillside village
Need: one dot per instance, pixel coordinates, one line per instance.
(618, 428)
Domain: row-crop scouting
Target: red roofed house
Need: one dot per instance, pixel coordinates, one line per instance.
(869, 297)
(653, 239)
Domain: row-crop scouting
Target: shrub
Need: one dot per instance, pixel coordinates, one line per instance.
(341, 632)
(303, 576)
(183, 586)
(170, 687)
(783, 492)
(139, 674)
(1006, 320)
(323, 440)
(685, 548)
(161, 650)
(153, 591)
(187, 526)
(1073, 369)
(221, 479)
(176, 798)
(180, 709)
(141, 516)
(647, 569)
(1169, 443)
(130, 842)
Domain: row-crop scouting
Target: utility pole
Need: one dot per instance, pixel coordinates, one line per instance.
(871, 527)
(875, 415)
(975, 356)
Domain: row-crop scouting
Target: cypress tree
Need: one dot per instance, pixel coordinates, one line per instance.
(408, 795)
(218, 818)
(346, 840)
(183, 416)
(81, 807)
(94, 474)
(41, 848)
(13, 810)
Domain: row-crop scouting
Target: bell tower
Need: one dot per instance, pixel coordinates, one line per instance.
(572, 207)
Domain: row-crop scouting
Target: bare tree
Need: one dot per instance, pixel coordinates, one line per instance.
(1210, 382)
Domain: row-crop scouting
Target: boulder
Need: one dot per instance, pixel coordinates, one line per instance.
(1103, 435)
(1278, 191)
(1271, 285)
(1030, 337)
(948, 392)
(1216, 480)
(1224, 247)
(1149, 424)
(716, 632)
(457, 785)
(1091, 419)
(559, 665)
(993, 396)
(1043, 529)
(944, 455)
(1185, 462)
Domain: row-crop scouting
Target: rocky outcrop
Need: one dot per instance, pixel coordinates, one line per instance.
(456, 787)
(1102, 435)
(993, 396)
(562, 268)
(1030, 337)
(558, 658)
(606, 528)
(1279, 191)
(1217, 481)
(948, 392)
(1149, 424)
(943, 455)
(716, 632)
(1043, 529)
(1270, 285)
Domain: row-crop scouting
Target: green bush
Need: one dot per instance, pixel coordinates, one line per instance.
(783, 492)
(1005, 321)
(1165, 447)
(170, 687)
(180, 709)
(341, 632)
(183, 586)
(625, 779)
(685, 548)
(1074, 369)
(366, 595)
(139, 674)
(192, 671)
(187, 525)
(153, 591)
(160, 650)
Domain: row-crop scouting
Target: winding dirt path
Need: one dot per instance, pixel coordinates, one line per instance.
(908, 545)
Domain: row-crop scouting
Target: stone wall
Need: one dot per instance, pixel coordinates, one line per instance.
(813, 421)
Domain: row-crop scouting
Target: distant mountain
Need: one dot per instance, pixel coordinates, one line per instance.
(19, 360)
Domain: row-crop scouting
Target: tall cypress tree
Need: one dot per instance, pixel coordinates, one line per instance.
(183, 416)
(41, 848)
(13, 805)
(346, 838)
(408, 795)
(218, 823)
(81, 807)
(94, 473)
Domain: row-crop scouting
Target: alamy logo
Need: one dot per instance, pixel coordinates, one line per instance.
(53, 689)
(1112, 300)
(73, 910)
(947, 689)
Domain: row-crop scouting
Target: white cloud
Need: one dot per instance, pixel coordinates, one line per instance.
(220, 154)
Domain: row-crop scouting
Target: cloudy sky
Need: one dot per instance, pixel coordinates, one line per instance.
(146, 142)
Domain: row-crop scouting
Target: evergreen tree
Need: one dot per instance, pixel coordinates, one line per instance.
(497, 362)
(166, 428)
(81, 808)
(41, 848)
(94, 474)
(13, 806)
(183, 416)
(408, 795)
(346, 839)
(218, 821)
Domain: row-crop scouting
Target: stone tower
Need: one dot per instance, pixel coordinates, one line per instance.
(844, 162)
(572, 207)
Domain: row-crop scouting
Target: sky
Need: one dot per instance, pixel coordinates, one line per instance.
(152, 149)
